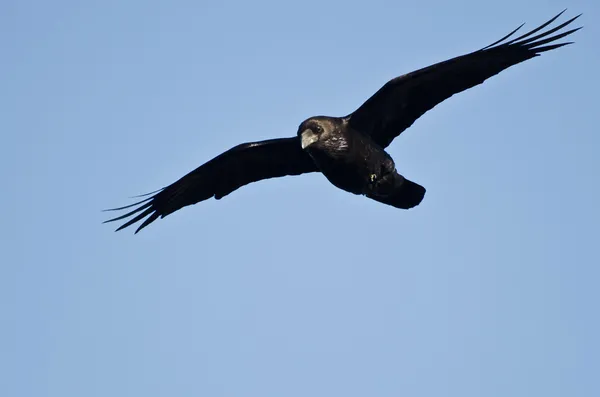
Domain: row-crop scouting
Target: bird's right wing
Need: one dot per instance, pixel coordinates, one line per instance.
(404, 99)
(238, 166)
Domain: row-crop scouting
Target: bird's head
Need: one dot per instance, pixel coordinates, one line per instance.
(317, 130)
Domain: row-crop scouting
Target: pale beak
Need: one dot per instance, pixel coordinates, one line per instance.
(308, 137)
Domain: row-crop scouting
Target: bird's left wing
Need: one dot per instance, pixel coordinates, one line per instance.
(238, 166)
(402, 100)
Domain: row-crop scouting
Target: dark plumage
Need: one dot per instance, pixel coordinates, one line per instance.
(349, 150)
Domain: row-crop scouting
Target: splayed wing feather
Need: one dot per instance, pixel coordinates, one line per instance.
(552, 47)
(506, 37)
(148, 194)
(130, 205)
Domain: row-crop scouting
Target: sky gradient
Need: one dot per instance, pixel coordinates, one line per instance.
(291, 287)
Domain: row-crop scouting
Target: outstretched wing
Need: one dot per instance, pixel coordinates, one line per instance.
(401, 101)
(239, 166)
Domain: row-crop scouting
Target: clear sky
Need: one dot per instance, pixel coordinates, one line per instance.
(291, 287)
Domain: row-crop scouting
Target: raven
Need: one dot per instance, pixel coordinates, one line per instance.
(349, 150)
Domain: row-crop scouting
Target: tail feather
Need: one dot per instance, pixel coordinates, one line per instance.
(406, 194)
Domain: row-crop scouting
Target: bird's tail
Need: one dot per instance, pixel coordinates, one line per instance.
(406, 194)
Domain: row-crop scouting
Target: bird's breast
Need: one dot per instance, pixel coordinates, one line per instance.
(353, 169)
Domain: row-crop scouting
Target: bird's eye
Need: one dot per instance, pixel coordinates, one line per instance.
(318, 129)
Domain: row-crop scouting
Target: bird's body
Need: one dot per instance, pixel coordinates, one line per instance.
(350, 151)
(346, 157)
(352, 161)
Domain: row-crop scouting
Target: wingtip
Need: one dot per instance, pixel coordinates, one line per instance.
(576, 17)
(560, 13)
(121, 227)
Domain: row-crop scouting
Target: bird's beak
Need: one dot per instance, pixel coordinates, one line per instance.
(308, 137)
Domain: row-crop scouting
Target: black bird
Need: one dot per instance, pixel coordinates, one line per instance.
(349, 150)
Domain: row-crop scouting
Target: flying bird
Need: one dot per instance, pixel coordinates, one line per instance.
(350, 150)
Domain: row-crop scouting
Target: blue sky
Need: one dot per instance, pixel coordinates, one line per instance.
(291, 287)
